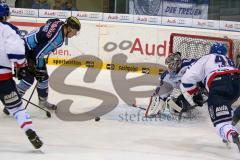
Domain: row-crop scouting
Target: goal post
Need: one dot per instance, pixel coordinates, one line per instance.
(195, 46)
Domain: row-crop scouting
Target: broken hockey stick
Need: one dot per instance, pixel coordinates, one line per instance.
(48, 114)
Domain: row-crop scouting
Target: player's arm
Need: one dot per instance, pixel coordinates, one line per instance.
(190, 79)
(16, 52)
(14, 47)
(51, 32)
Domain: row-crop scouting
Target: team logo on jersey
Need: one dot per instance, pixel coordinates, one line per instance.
(52, 29)
(222, 110)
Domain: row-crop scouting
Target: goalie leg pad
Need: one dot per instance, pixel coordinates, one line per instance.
(173, 105)
(156, 105)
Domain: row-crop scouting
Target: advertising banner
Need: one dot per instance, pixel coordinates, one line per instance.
(21, 12)
(208, 24)
(186, 8)
(92, 16)
(170, 8)
(117, 46)
(145, 7)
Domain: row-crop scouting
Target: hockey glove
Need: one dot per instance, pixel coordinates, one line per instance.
(198, 99)
(20, 72)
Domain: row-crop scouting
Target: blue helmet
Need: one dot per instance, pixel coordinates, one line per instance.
(4, 10)
(219, 48)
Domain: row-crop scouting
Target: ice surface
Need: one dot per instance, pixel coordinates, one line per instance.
(122, 134)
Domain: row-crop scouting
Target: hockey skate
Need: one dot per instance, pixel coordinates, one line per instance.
(34, 139)
(235, 137)
(226, 143)
(45, 104)
(5, 111)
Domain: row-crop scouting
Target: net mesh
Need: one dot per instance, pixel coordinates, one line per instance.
(195, 46)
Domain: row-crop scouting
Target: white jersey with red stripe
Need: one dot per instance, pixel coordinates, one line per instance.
(11, 51)
(205, 70)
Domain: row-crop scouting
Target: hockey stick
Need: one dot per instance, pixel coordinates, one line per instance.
(135, 106)
(29, 99)
(48, 114)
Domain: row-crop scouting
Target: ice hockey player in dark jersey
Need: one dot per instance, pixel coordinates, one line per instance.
(222, 81)
(169, 80)
(39, 44)
(9, 94)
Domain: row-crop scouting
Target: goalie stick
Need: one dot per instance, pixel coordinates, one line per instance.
(142, 108)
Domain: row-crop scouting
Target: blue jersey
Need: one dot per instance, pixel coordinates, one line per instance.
(43, 41)
(16, 29)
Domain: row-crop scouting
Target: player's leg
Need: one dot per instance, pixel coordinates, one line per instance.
(42, 89)
(236, 113)
(236, 116)
(156, 104)
(25, 84)
(13, 103)
(219, 106)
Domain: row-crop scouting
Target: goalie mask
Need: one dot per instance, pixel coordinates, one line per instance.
(173, 61)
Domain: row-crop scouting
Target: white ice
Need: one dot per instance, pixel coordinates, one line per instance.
(115, 137)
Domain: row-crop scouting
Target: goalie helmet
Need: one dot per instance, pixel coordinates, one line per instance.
(173, 61)
(218, 48)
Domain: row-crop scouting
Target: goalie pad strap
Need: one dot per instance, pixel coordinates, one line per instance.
(173, 105)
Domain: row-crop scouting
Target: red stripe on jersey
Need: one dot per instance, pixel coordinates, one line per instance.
(192, 91)
(20, 65)
(219, 74)
(26, 123)
(230, 131)
(5, 76)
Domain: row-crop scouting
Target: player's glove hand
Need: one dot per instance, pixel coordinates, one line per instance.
(20, 72)
(198, 99)
(40, 74)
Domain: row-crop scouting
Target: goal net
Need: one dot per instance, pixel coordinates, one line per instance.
(195, 46)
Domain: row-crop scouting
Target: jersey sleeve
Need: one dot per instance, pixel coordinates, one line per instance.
(194, 75)
(49, 37)
(14, 46)
(48, 31)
